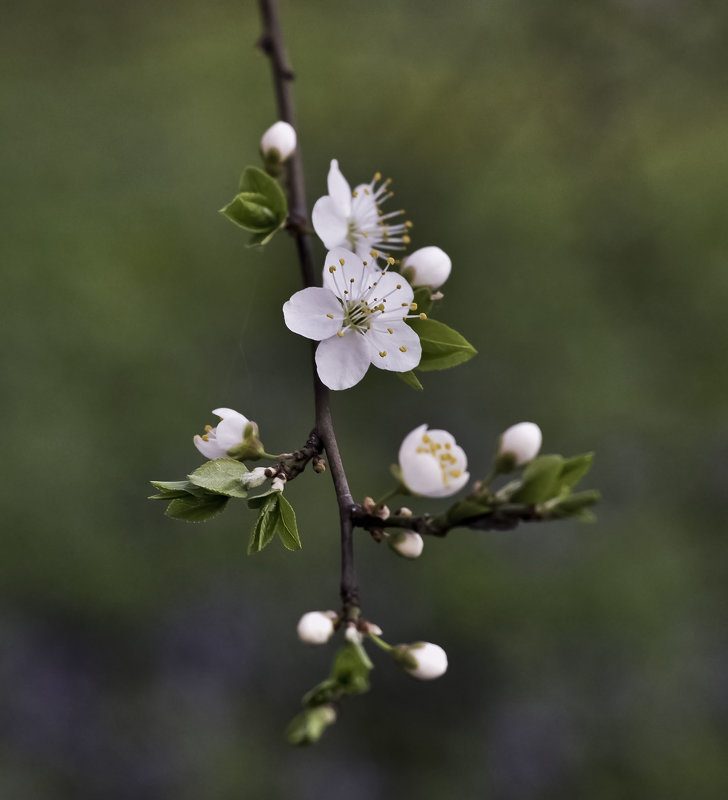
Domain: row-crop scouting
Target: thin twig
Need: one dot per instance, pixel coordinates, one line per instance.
(271, 42)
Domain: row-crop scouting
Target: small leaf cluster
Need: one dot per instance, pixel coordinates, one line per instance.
(349, 676)
(207, 491)
(260, 206)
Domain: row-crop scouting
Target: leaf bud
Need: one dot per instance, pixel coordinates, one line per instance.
(422, 660)
(278, 142)
(428, 266)
(406, 544)
(256, 477)
(309, 725)
(316, 627)
(518, 445)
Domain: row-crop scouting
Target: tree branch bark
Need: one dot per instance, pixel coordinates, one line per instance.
(272, 44)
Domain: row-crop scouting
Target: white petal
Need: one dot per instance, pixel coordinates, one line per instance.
(422, 474)
(314, 313)
(210, 449)
(230, 413)
(339, 189)
(330, 224)
(342, 361)
(229, 432)
(340, 279)
(402, 349)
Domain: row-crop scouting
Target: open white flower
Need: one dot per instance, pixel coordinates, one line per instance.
(432, 464)
(228, 433)
(359, 317)
(343, 218)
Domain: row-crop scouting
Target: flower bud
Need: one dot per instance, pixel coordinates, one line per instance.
(278, 142)
(316, 627)
(422, 660)
(255, 477)
(406, 544)
(520, 442)
(432, 464)
(352, 634)
(429, 266)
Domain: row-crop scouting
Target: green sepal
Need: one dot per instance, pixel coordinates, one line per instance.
(442, 347)
(265, 525)
(251, 448)
(423, 298)
(222, 476)
(540, 480)
(197, 509)
(575, 468)
(410, 379)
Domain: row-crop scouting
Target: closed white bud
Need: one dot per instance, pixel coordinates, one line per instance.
(316, 627)
(430, 266)
(423, 660)
(522, 442)
(278, 484)
(352, 634)
(279, 141)
(406, 544)
(254, 478)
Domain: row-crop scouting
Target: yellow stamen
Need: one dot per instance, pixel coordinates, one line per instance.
(340, 334)
(423, 316)
(389, 330)
(330, 316)
(332, 269)
(413, 306)
(383, 353)
(342, 262)
(403, 349)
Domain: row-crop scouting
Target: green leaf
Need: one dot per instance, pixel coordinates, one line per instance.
(261, 499)
(257, 181)
(169, 490)
(250, 212)
(576, 505)
(410, 379)
(423, 298)
(287, 529)
(197, 509)
(575, 468)
(351, 669)
(322, 693)
(308, 726)
(221, 476)
(260, 239)
(442, 347)
(540, 480)
(465, 510)
(265, 526)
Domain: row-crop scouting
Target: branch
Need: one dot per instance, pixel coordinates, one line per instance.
(505, 518)
(271, 42)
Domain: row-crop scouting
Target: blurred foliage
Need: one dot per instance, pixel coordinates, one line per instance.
(571, 158)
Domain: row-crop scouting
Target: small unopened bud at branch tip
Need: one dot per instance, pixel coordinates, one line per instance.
(278, 142)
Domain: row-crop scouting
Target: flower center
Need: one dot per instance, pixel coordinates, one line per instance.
(356, 315)
(441, 453)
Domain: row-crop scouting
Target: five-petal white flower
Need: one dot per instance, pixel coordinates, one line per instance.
(343, 218)
(432, 464)
(228, 433)
(359, 316)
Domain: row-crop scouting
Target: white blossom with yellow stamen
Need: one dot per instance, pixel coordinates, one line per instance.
(228, 433)
(432, 464)
(359, 316)
(354, 220)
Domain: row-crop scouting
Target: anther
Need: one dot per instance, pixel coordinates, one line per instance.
(374, 253)
(330, 316)
(340, 334)
(413, 306)
(208, 428)
(390, 261)
(377, 176)
(406, 239)
(399, 285)
(423, 316)
(342, 262)
(404, 305)
(332, 269)
(403, 349)
(389, 330)
(383, 353)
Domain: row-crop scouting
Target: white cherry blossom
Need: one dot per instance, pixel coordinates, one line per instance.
(354, 220)
(359, 316)
(432, 464)
(228, 433)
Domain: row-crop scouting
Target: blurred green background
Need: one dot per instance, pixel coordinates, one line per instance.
(572, 158)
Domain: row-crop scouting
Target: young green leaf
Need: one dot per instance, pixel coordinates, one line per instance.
(197, 509)
(351, 669)
(576, 505)
(169, 490)
(256, 181)
(410, 379)
(266, 524)
(221, 476)
(250, 211)
(287, 529)
(442, 347)
(540, 480)
(575, 468)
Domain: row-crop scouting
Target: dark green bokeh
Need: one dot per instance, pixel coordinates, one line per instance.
(571, 158)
